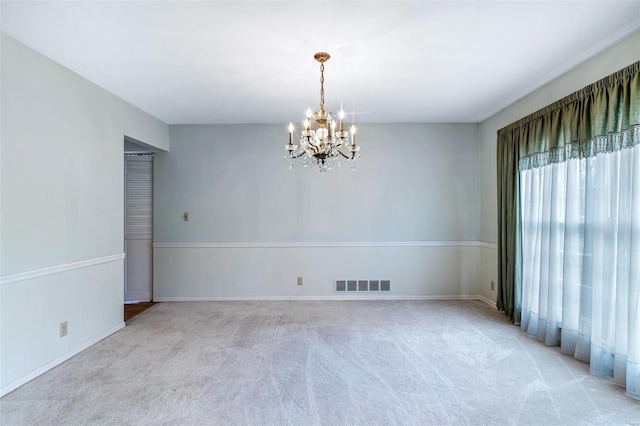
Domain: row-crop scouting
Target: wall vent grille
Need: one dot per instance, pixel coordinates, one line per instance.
(362, 286)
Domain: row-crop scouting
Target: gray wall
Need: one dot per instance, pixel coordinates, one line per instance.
(61, 180)
(607, 62)
(416, 183)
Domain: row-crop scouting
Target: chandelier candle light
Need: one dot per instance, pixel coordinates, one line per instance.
(320, 147)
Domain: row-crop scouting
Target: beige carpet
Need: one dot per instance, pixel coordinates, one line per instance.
(320, 363)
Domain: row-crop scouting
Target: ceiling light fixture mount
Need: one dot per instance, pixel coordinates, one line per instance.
(320, 147)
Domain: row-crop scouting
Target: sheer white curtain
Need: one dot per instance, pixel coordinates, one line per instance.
(580, 222)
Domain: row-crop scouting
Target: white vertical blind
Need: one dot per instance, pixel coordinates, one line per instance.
(138, 197)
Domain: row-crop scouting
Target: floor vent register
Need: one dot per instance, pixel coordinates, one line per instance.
(357, 286)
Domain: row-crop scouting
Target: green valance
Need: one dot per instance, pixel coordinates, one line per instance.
(601, 117)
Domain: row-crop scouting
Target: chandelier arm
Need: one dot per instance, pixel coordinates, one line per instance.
(298, 155)
(353, 154)
(311, 141)
(313, 146)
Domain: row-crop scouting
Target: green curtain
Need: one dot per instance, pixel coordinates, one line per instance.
(508, 213)
(599, 118)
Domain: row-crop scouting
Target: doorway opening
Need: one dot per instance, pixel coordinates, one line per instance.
(138, 227)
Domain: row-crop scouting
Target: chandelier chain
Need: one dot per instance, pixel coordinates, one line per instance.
(322, 86)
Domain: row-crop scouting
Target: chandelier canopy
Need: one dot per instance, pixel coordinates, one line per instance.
(320, 144)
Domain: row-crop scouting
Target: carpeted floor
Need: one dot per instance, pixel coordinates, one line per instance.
(320, 363)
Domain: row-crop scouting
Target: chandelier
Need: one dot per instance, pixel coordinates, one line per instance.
(321, 146)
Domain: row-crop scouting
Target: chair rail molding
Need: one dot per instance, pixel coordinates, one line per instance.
(37, 273)
(325, 244)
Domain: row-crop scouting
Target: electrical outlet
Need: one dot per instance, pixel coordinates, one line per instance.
(299, 280)
(186, 216)
(63, 329)
(493, 285)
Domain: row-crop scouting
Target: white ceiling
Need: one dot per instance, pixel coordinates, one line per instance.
(252, 62)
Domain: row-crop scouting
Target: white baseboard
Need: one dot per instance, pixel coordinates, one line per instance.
(337, 297)
(24, 379)
(489, 302)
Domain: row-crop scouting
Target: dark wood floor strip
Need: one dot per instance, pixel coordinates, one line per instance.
(131, 310)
